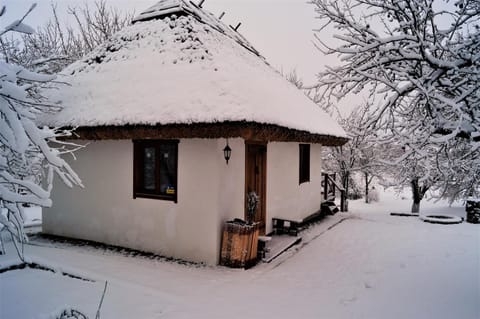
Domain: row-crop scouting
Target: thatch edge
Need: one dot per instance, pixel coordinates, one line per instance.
(250, 131)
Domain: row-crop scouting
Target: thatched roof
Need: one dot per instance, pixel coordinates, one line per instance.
(247, 130)
(179, 66)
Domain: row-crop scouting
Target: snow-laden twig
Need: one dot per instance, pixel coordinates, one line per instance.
(29, 155)
(97, 315)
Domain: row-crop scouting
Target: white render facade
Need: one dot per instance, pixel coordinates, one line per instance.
(210, 192)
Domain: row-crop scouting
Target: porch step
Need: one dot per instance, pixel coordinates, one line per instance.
(329, 208)
(278, 244)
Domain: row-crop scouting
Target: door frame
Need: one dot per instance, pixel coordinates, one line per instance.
(263, 178)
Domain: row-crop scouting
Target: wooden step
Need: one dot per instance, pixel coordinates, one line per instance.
(278, 244)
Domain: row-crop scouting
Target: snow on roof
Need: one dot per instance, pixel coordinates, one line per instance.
(167, 7)
(181, 70)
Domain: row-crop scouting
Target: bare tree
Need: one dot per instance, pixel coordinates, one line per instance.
(361, 154)
(419, 64)
(55, 45)
(419, 172)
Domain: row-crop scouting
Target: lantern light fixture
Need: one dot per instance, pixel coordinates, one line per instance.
(227, 152)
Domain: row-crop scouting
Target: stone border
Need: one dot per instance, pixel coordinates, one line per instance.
(442, 219)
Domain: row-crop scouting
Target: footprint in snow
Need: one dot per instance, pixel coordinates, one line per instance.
(346, 302)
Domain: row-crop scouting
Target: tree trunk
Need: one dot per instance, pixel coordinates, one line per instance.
(366, 187)
(344, 194)
(2, 247)
(417, 193)
(416, 207)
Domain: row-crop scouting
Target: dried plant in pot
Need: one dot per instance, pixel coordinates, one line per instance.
(252, 204)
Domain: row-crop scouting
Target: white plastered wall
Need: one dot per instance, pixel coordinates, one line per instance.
(209, 193)
(286, 198)
(105, 210)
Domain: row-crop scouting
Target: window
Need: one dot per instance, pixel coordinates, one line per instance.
(155, 169)
(304, 163)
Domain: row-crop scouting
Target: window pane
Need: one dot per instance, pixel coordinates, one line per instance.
(304, 172)
(149, 168)
(168, 169)
(155, 169)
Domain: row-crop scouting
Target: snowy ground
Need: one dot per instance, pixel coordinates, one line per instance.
(368, 265)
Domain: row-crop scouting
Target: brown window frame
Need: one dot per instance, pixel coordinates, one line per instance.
(304, 163)
(138, 159)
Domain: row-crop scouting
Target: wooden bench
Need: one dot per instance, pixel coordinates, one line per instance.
(286, 226)
(293, 226)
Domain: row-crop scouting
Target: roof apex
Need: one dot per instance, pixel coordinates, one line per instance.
(161, 9)
(165, 8)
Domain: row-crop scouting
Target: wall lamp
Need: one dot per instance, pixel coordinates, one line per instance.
(227, 152)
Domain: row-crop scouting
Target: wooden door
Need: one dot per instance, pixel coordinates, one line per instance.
(255, 179)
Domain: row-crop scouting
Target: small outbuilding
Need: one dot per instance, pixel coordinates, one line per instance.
(182, 118)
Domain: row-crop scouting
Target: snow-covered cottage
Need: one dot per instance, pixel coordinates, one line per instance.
(158, 105)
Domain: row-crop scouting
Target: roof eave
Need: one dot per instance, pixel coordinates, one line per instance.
(250, 131)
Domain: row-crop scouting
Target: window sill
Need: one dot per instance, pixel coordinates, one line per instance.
(155, 196)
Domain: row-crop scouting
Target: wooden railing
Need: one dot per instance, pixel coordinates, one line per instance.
(330, 186)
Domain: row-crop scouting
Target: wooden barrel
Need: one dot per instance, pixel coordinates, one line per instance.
(239, 245)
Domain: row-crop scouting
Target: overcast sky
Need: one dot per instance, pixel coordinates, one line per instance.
(282, 30)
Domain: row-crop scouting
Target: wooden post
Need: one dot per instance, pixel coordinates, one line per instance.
(325, 188)
(334, 176)
(238, 26)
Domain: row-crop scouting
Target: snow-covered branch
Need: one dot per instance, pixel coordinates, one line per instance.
(29, 155)
(419, 64)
